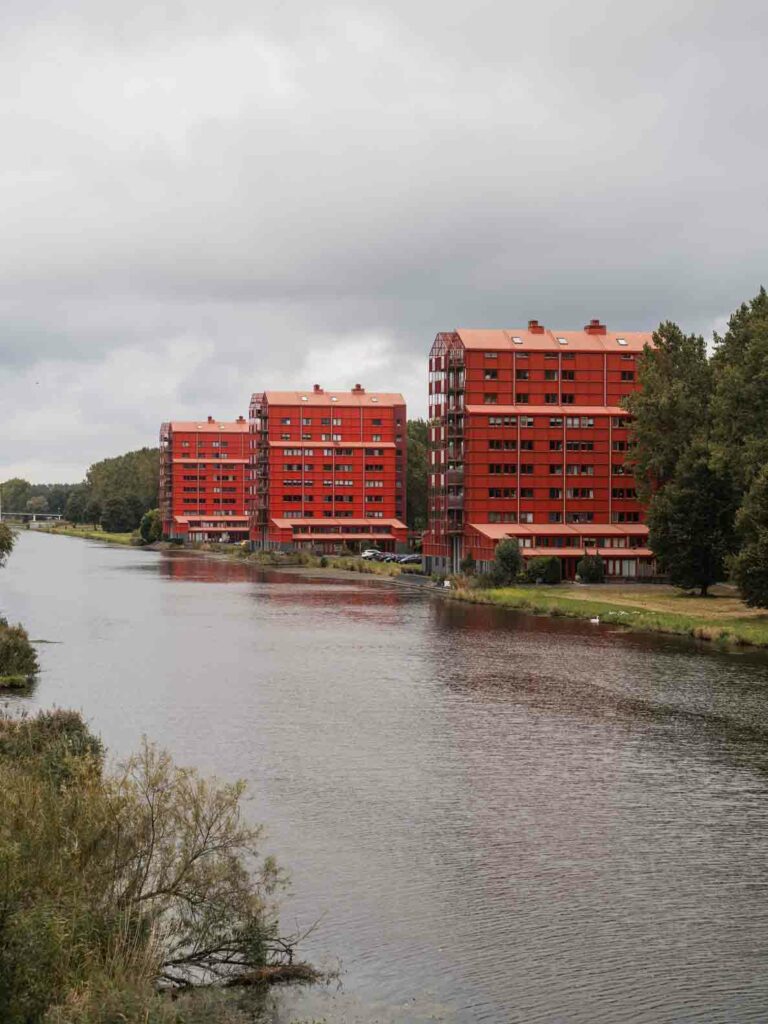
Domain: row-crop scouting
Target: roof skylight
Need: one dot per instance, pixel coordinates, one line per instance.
(621, 341)
(563, 341)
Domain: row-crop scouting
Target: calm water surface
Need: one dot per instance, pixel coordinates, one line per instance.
(495, 818)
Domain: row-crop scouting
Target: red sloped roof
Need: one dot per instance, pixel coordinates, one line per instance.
(578, 341)
(334, 398)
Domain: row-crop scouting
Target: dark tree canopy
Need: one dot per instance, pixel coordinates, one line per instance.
(740, 400)
(671, 408)
(750, 567)
(691, 522)
(418, 468)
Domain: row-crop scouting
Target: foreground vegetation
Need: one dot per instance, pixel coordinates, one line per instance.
(18, 660)
(118, 887)
(653, 608)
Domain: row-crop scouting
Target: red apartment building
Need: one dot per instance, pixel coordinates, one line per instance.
(203, 469)
(528, 440)
(328, 469)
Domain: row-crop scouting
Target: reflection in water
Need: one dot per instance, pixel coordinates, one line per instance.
(495, 817)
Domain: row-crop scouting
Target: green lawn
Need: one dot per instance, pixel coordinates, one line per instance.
(88, 533)
(658, 609)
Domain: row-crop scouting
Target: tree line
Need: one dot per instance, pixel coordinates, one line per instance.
(700, 452)
(115, 494)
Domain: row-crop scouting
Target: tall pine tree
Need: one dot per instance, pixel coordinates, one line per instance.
(670, 410)
(750, 566)
(691, 520)
(740, 399)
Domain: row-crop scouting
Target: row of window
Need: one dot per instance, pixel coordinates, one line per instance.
(325, 421)
(334, 437)
(309, 467)
(308, 453)
(555, 445)
(348, 499)
(557, 517)
(572, 422)
(331, 515)
(556, 493)
(551, 355)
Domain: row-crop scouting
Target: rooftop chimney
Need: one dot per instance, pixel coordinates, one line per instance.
(358, 389)
(317, 389)
(211, 419)
(241, 419)
(535, 327)
(595, 327)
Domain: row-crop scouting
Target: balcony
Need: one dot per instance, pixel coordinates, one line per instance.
(454, 477)
(454, 502)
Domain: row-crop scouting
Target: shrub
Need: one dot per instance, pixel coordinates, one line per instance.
(468, 564)
(112, 884)
(508, 562)
(151, 526)
(18, 659)
(545, 569)
(591, 569)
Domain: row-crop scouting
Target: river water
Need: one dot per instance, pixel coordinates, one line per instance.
(492, 817)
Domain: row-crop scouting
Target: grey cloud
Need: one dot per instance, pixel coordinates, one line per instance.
(257, 182)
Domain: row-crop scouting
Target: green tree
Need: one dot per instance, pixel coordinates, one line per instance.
(7, 540)
(134, 476)
(544, 569)
(74, 510)
(117, 516)
(508, 562)
(750, 566)
(92, 511)
(691, 522)
(417, 475)
(38, 503)
(114, 883)
(151, 526)
(15, 494)
(671, 409)
(591, 568)
(740, 400)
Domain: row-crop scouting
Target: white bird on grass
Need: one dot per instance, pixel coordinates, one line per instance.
(595, 621)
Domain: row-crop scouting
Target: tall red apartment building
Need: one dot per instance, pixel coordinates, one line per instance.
(203, 488)
(528, 440)
(328, 469)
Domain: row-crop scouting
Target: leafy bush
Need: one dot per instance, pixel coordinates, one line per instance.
(591, 569)
(468, 564)
(151, 526)
(18, 659)
(508, 562)
(544, 569)
(111, 884)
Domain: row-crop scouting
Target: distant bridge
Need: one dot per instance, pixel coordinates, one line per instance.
(31, 516)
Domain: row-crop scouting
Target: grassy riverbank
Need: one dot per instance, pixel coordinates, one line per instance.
(723, 617)
(87, 533)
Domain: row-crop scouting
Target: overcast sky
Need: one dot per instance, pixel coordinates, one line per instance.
(199, 200)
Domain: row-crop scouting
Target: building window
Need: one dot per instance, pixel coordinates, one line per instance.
(522, 375)
(491, 375)
(550, 375)
(550, 399)
(627, 374)
(526, 517)
(555, 517)
(490, 399)
(567, 399)
(521, 398)
(555, 446)
(555, 493)
(569, 375)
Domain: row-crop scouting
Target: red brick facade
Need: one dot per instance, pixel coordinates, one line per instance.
(203, 480)
(328, 470)
(528, 439)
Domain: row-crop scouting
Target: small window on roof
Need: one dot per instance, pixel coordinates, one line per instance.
(304, 398)
(621, 341)
(563, 341)
(374, 398)
(517, 341)
(334, 398)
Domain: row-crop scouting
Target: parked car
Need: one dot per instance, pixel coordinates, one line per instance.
(410, 560)
(371, 553)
